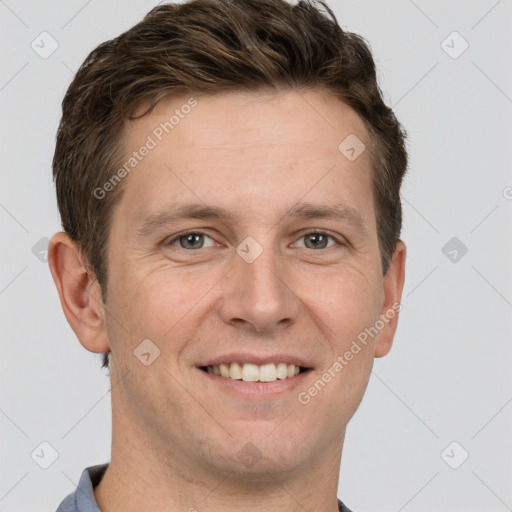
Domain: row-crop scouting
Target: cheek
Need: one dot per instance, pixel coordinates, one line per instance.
(161, 305)
(347, 302)
(346, 307)
(161, 308)
(353, 306)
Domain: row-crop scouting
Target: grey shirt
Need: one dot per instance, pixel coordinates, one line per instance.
(82, 500)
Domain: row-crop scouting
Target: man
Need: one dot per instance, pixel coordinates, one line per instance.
(228, 179)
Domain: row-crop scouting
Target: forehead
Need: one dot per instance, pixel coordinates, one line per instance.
(252, 151)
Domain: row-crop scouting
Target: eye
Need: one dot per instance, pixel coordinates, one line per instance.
(194, 240)
(318, 240)
(191, 240)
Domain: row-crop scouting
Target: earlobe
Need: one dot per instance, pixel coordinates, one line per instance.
(393, 286)
(79, 293)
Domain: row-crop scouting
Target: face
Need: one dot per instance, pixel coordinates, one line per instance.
(222, 250)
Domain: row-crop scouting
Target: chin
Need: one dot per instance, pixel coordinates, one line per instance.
(255, 459)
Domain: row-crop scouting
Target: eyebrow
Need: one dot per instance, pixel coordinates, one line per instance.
(302, 210)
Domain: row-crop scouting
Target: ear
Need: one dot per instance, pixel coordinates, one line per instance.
(393, 285)
(79, 292)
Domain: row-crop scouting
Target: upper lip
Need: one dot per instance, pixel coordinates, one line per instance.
(244, 357)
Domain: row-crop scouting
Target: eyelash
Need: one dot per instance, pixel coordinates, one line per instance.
(180, 235)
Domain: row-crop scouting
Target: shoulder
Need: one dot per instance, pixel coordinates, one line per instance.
(342, 507)
(82, 499)
(68, 504)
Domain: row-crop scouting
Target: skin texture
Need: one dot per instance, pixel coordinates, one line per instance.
(177, 435)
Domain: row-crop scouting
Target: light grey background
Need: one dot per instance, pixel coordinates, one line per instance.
(448, 376)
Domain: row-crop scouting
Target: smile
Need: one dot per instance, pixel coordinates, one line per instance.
(249, 372)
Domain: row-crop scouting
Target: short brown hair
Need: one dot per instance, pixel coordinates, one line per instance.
(208, 46)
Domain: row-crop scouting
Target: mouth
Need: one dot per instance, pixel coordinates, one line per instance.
(250, 372)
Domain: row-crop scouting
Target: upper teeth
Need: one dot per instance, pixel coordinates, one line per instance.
(252, 372)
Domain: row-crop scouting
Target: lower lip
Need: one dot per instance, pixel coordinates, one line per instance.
(257, 389)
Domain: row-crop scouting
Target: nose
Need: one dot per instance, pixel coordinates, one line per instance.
(258, 297)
